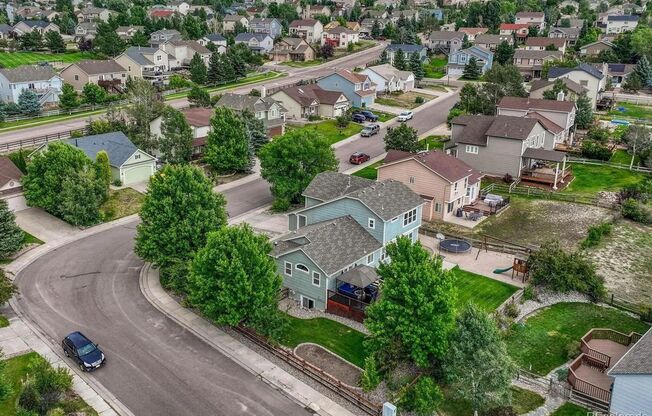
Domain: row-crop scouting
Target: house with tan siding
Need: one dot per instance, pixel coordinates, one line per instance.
(108, 74)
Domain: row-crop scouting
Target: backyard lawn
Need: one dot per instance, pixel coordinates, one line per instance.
(621, 156)
(523, 401)
(632, 110)
(14, 59)
(540, 344)
(485, 292)
(436, 68)
(340, 339)
(369, 172)
(403, 100)
(433, 142)
(330, 131)
(570, 409)
(121, 202)
(591, 179)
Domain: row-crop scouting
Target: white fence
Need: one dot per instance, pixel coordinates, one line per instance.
(611, 164)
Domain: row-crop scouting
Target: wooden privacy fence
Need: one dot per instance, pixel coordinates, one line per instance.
(316, 373)
(33, 142)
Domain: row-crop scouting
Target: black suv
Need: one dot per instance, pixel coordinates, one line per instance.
(86, 354)
(368, 115)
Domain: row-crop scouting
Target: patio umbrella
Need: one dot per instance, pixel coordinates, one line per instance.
(360, 276)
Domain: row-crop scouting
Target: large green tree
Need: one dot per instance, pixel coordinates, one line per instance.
(233, 279)
(643, 69)
(472, 69)
(477, 365)
(107, 41)
(93, 94)
(291, 161)
(198, 72)
(68, 98)
(403, 138)
(54, 42)
(81, 196)
(416, 312)
(584, 115)
(28, 103)
(227, 145)
(175, 143)
(416, 66)
(11, 236)
(504, 53)
(399, 60)
(146, 105)
(199, 97)
(178, 212)
(255, 129)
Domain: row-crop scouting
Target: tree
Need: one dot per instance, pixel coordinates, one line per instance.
(403, 138)
(584, 114)
(416, 313)
(7, 290)
(227, 145)
(644, 71)
(472, 69)
(233, 280)
(641, 41)
(199, 97)
(255, 130)
(326, 51)
(399, 60)
(54, 42)
(28, 103)
(107, 41)
(146, 105)
(291, 161)
(375, 29)
(198, 73)
(557, 87)
(384, 59)
(179, 210)
(504, 53)
(423, 398)
(416, 66)
(93, 94)
(82, 194)
(139, 39)
(501, 81)
(68, 98)
(175, 142)
(103, 167)
(214, 75)
(11, 236)
(32, 40)
(633, 82)
(478, 367)
(50, 384)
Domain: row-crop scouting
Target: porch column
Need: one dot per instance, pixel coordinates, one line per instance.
(563, 170)
(554, 186)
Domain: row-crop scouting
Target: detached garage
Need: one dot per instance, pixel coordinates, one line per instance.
(128, 163)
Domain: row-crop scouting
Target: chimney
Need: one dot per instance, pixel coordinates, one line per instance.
(560, 96)
(263, 92)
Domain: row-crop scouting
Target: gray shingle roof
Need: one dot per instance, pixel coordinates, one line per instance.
(589, 69)
(330, 185)
(332, 245)
(136, 53)
(215, 37)
(246, 37)
(36, 23)
(8, 171)
(626, 18)
(5, 28)
(638, 360)
(240, 102)
(26, 73)
(477, 128)
(115, 144)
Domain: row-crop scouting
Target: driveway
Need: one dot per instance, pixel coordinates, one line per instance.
(44, 226)
(154, 366)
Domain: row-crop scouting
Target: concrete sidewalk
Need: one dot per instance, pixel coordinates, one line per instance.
(232, 348)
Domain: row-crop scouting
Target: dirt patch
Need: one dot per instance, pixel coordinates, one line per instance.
(330, 363)
(403, 100)
(624, 260)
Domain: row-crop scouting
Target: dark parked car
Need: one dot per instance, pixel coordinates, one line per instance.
(358, 118)
(358, 158)
(86, 354)
(368, 115)
(370, 130)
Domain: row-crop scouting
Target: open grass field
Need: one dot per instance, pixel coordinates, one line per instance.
(403, 100)
(436, 68)
(591, 179)
(631, 111)
(121, 202)
(14, 59)
(330, 130)
(570, 409)
(340, 339)
(523, 401)
(540, 344)
(487, 293)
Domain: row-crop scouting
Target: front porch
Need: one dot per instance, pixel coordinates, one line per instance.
(355, 291)
(545, 167)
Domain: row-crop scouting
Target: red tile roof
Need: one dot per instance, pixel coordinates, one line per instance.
(513, 26)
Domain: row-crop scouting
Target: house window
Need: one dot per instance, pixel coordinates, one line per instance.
(76, 77)
(158, 58)
(302, 267)
(455, 187)
(371, 223)
(136, 157)
(412, 179)
(409, 217)
(316, 279)
(437, 207)
(450, 206)
(472, 149)
(307, 302)
(303, 220)
(370, 258)
(288, 268)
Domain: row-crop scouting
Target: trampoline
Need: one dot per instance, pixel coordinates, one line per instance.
(453, 245)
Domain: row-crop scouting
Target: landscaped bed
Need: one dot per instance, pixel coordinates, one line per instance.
(435, 68)
(330, 130)
(485, 292)
(332, 364)
(523, 401)
(403, 100)
(541, 343)
(121, 202)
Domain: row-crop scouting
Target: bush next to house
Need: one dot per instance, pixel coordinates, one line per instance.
(11, 236)
(592, 149)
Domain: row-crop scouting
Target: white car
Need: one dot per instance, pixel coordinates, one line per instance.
(405, 116)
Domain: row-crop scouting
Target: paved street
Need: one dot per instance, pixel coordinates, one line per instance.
(154, 366)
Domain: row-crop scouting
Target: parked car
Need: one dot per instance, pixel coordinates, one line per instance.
(358, 118)
(83, 351)
(368, 115)
(370, 130)
(358, 158)
(405, 116)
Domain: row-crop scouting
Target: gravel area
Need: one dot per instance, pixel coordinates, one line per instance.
(291, 307)
(333, 364)
(545, 299)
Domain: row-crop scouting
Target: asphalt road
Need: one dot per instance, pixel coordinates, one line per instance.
(154, 366)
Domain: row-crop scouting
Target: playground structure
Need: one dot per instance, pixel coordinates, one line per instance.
(519, 268)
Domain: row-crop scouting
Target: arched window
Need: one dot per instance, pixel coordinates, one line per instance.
(302, 267)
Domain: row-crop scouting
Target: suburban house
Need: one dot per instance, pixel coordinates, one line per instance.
(257, 42)
(458, 60)
(93, 14)
(618, 73)
(446, 42)
(340, 37)
(472, 32)
(357, 87)
(267, 109)
(532, 19)
(520, 31)
(128, 32)
(632, 379)
(215, 39)
(539, 86)
(444, 182)
(43, 80)
(530, 63)
(199, 120)
(594, 49)
(5, 31)
(107, 74)
(367, 25)
(308, 29)
(230, 20)
(180, 52)
(571, 34)
(508, 145)
(408, 50)
(292, 49)
(86, 31)
(389, 79)
(556, 116)
(338, 239)
(162, 14)
(28, 26)
(491, 42)
(268, 26)
(129, 164)
(303, 101)
(541, 44)
(179, 6)
(148, 63)
(11, 187)
(312, 11)
(588, 76)
(621, 24)
(164, 35)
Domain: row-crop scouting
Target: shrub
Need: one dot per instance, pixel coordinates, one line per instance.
(423, 398)
(117, 182)
(598, 134)
(646, 316)
(592, 149)
(636, 211)
(573, 349)
(178, 82)
(528, 293)
(314, 117)
(29, 398)
(511, 310)
(641, 191)
(508, 178)
(501, 411)
(562, 374)
(370, 377)
(419, 100)
(343, 121)
(595, 234)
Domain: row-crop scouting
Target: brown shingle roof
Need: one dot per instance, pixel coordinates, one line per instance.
(543, 42)
(303, 22)
(8, 171)
(530, 54)
(546, 122)
(94, 67)
(449, 167)
(198, 117)
(526, 103)
(512, 127)
(478, 127)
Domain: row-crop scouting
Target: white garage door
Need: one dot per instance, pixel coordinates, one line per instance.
(137, 174)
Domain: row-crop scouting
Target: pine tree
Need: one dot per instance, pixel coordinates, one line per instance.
(416, 66)
(384, 59)
(472, 69)
(644, 70)
(54, 42)
(214, 75)
(504, 53)
(11, 236)
(399, 59)
(584, 115)
(28, 103)
(375, 29)
(68, 98)
(198, 73)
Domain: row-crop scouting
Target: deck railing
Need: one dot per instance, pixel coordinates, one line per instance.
(583, 386)
(346, 306)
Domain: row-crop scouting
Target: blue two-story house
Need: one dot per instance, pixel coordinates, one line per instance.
(459, 59)
(338, 238)
(357, 87)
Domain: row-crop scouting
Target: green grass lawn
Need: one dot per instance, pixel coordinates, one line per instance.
(30, 239)
(591, 179)
(523, 401)
(540, 343)
(433, 142)
(632, 110)
(570, 409)
(329, 129)
(14, 59)
(485, 292)
(121, 202)
(436, 68)
(621, 156)
(303, 64)
(4, 322)
(340, 339)
(369, 172)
